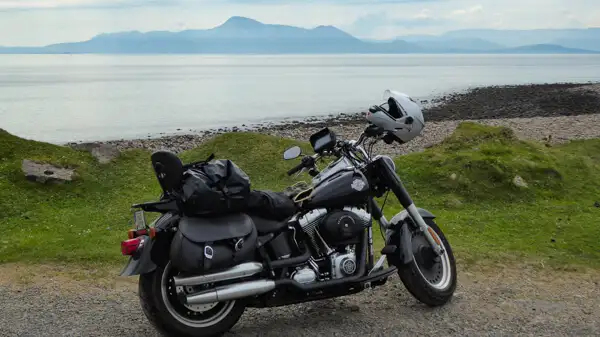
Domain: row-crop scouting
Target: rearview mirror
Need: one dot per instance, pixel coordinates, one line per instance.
(292, 152)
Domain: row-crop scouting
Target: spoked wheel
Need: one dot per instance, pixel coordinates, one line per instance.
(160, 301)
(430, 278)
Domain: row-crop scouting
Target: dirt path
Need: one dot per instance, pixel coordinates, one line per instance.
(505, 302)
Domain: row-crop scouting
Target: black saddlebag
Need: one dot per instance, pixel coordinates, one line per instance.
(209, 244)
(214, 188)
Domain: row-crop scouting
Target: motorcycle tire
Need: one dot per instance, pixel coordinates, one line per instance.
(171, 318)
(430, 279)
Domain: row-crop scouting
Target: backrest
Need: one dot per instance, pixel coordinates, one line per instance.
(168, 169)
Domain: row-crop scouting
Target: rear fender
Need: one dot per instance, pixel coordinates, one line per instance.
(399, 239)
(153, 251)
(141, 262)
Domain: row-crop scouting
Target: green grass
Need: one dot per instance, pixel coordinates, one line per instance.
(466, 181)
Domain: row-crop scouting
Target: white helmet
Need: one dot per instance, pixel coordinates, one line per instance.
(403, 118)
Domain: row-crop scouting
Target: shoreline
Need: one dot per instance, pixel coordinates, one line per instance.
(562, 111)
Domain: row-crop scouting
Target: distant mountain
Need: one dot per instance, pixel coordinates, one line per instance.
(240, 35)
(588, 38)
(543, 49)
(236, 35)
(580, 43)
(439, 43)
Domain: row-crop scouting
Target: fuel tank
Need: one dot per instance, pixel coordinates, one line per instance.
(343, 188)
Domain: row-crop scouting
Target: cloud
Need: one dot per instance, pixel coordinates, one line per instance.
(468, 11)
(17, 5)
(337, 2)
(40, 22)
(32, 5)
(373, 23)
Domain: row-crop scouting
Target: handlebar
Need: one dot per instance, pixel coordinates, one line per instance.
(342, 147)
(308, 161)
(296, 168)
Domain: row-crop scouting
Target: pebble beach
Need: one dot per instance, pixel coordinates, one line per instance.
(551, 112)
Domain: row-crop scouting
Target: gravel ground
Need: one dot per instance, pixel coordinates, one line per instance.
(560, 129)
(502, 302)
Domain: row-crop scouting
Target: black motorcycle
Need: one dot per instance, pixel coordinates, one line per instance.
(199, 271)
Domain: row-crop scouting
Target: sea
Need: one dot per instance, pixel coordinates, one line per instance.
(74, 98)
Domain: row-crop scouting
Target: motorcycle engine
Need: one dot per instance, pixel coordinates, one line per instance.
(343, 227)
(333, 238)
(337, 228)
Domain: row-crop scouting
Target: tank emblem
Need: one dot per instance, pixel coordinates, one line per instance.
(358, 184)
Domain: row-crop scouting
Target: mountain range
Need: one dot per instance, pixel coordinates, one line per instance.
(240, 35)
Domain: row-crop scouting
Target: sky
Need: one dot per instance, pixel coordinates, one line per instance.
(42, 22)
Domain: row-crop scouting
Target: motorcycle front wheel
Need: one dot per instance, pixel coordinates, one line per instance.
(171, 317)
(431, 279)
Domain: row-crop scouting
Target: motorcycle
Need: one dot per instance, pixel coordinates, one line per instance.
(324, 250)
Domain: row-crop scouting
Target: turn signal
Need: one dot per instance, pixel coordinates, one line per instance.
(129, 247)
(132, 233)
(434, 235)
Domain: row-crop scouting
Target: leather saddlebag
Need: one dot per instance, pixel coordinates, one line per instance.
(209, 244)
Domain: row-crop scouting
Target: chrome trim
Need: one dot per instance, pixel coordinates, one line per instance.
(384, 223)
(379, 265)
(361, 213)
(232, 292)
(235, 272)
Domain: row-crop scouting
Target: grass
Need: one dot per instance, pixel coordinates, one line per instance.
(467, 181)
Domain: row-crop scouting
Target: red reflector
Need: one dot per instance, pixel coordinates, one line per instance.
(128, 247)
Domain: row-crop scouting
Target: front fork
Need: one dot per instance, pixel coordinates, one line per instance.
(389, 176)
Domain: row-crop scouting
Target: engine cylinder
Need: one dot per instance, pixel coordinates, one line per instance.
(309, 223)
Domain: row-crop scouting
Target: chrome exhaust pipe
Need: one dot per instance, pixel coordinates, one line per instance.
(235, 272)
(232, 292)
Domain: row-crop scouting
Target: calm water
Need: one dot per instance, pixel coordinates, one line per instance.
(61, 98)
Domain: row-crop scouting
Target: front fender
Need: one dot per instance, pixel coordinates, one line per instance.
(399, 239)
(142, 262)
(402, 216)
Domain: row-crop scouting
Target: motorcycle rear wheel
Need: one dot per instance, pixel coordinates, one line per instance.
(429, 278)
(173, 318)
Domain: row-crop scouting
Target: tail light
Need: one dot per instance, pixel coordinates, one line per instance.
(129, 247)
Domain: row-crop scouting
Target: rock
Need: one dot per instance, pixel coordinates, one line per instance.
(45, 173)
(519, 182)
(453, 202)
(453, 176)
(354, 308)
(104, 153)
